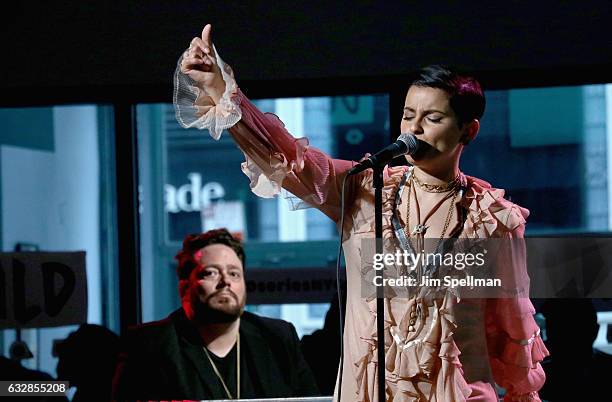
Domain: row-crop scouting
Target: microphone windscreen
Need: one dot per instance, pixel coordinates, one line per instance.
(410, 141)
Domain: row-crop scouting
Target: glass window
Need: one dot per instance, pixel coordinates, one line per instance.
(550, 149)
(57, 186)
(547, 147)
(192, 183)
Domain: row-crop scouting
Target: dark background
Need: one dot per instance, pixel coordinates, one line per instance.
(97, 51)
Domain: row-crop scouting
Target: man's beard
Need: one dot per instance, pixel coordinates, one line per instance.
(207, 313)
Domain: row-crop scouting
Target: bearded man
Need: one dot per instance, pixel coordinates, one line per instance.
(211, 348)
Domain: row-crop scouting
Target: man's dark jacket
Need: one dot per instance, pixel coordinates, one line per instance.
(165, 360)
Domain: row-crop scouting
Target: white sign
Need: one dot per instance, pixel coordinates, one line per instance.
(193, 196)
(40, 289)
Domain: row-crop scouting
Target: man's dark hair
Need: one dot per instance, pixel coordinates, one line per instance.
(195, 242)
(466, 97)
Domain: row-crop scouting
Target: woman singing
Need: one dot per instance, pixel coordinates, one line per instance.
(438, 346)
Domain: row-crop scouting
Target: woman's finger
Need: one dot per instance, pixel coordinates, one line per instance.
(204, 48)
(206, 44)
(206, 35)
(193, 61)
(190, 64)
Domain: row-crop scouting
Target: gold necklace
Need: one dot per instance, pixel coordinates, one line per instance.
(419, 229)
(216, 370)
(436, 188)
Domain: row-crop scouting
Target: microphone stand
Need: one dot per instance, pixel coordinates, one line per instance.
(380, 290)
(407, 144)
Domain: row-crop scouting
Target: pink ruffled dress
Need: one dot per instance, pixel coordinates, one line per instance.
(459, 349)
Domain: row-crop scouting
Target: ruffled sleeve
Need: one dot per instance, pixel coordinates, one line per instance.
(513, 337)
(195, 108)
(515, 348)
(274, 159)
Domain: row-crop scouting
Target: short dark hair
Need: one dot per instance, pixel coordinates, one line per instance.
(195, 242)
(466, 96)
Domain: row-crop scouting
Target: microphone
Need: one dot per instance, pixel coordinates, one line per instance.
(406, 144)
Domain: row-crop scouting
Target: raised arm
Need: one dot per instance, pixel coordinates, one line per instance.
(206, 96)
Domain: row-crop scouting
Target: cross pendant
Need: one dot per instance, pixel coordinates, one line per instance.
(419, 229)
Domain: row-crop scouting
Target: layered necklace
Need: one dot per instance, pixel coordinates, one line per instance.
(418, 230)
(220, 377)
